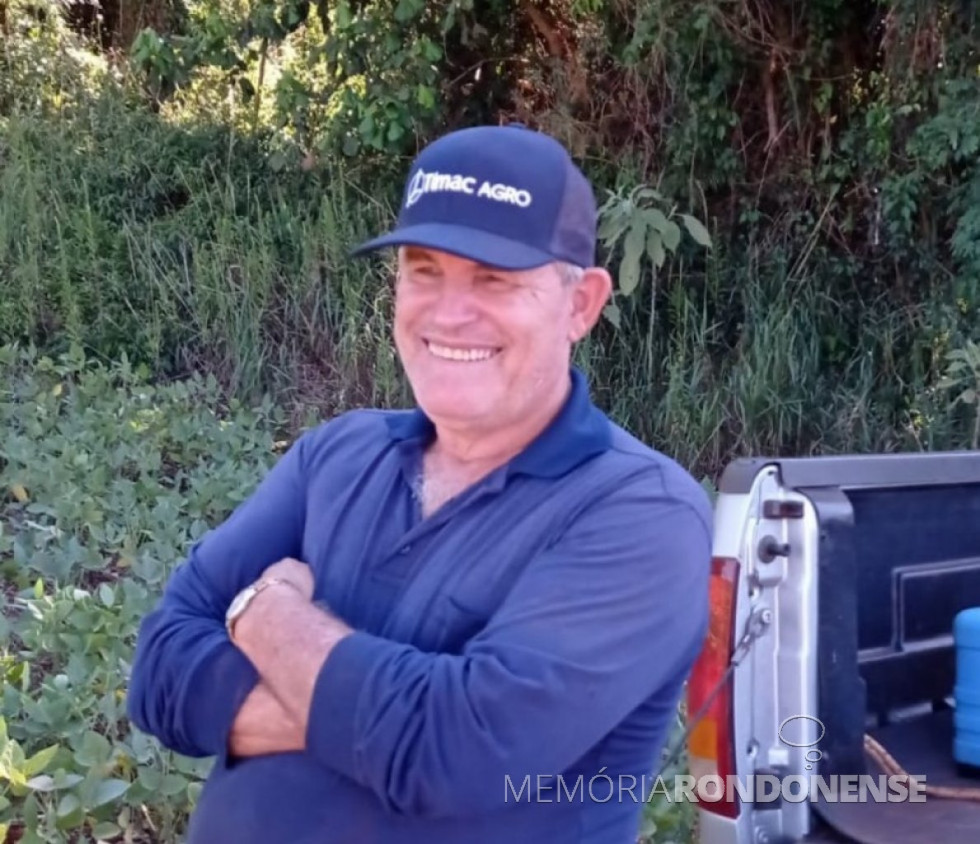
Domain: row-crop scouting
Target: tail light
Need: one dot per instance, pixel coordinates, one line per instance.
(711, 749)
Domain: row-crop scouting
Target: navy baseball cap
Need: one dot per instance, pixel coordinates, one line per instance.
(504, 196)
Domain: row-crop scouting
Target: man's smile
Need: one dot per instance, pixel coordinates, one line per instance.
(461, 353)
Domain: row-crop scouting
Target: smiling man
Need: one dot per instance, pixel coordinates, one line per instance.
(465, 623)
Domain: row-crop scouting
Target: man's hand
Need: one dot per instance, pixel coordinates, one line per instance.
(263, 726)
(296, 572)
(288, 639)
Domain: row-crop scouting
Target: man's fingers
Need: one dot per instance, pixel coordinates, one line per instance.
(288, 561)
(285, 565)
(295, 571)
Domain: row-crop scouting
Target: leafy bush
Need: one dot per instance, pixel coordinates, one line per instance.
(348, 78)
(105, 480)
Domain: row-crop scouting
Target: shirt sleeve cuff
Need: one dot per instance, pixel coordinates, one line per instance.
(217, 688)
(331, 735)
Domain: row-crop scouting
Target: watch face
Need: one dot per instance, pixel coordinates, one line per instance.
(240, 602)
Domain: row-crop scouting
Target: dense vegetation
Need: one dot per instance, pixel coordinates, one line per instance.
(791, 205)
(110, 478)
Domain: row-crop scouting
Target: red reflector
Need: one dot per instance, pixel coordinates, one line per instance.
(711, 750)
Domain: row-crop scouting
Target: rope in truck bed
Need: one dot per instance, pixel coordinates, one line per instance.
(891, 766)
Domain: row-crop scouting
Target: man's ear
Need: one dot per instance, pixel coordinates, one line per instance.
(589, 296)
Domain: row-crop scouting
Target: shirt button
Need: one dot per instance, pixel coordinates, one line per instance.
(405, 549)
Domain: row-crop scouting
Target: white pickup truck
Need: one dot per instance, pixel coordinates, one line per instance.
(831, 655)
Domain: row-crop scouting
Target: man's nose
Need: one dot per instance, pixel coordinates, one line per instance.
(454, 306)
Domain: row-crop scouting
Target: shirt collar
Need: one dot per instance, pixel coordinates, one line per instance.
(578, 432)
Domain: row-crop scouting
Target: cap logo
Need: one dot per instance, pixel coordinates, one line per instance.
(423, 183)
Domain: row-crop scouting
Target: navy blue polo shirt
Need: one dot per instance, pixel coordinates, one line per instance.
(523, 643)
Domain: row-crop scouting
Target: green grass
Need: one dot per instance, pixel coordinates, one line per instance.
(197, 258)
(739, 363)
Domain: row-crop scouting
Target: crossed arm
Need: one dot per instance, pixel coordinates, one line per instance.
(576, 646)
(287, 639)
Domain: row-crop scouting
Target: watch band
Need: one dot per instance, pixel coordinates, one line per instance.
(242, 600)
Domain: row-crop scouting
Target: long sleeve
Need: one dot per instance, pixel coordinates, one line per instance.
(610, 615)
(188, 680)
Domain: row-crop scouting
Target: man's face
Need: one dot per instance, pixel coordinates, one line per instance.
(480, 345)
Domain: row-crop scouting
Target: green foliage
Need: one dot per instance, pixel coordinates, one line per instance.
(841, 191)
(43, 68)
(157, 60)
(349, 77)
(963, 374)
(105, 481)
(649, 233)
(385, 59)
(668, 818)
(190, 248)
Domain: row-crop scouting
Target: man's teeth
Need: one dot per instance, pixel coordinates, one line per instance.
(460, 354)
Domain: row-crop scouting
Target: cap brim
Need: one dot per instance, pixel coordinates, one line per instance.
(474, 244)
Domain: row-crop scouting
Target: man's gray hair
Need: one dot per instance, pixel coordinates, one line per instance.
(570, 273)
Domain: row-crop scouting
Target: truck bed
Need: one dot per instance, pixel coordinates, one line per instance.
(898, 557)
(894, 572)
(921, 745)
